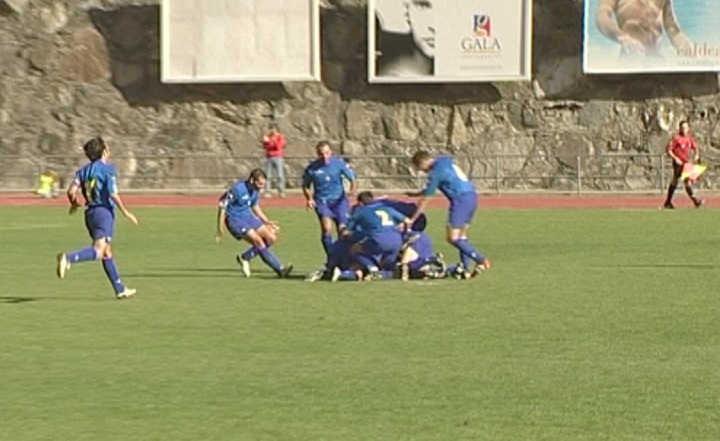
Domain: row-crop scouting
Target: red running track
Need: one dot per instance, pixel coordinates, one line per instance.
(297, 201)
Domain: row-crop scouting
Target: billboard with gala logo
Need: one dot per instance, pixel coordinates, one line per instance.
(639, 36)
(430, 41)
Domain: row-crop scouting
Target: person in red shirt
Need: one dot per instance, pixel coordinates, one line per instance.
(274, 145)
(679, 148)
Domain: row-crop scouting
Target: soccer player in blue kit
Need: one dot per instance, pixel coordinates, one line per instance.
(327, 197)
(379, 226)
(447, 177)
(240, 212)
(97, 183)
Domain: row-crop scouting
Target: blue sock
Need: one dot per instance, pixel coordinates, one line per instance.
(327, 242)
(465, 248)
(112, 275)
(250, 254)
(270, 260)
(348, 275)
(83, 255)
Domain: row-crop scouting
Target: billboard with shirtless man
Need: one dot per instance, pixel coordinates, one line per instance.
(635, 36)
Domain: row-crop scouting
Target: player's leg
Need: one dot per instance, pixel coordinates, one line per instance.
(461, 213)
(111, 271)
(98, 222)
(677, 172)
(340, 212)
(691, 193)
(325, 219)
(255, 238)
(407, 257)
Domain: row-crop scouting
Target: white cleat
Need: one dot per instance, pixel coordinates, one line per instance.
(62, 265)
(337, 272)
(315, 276)
(244, 265)
(126, 294)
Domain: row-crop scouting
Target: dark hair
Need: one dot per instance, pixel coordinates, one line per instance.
(421, 156)
(681, 123)
(94, 148)
(257, 173)
(365, 197)
(322, 143)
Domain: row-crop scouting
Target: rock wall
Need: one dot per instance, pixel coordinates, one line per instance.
(72, 69)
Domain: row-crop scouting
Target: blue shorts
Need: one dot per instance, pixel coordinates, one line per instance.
(100, 223)
(239, 226)
(385, 244)
(336, 210)
(462, 210)
(423, 246)
(420, 224)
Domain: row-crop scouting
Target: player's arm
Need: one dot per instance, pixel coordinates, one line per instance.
(306, 184)
(677, 37)
(221, 216)
(694, 147)
(121, 206)
(72, 194)
(263, 217)
(349, 174)
(422, 204)
(606, 22)
(112, 182)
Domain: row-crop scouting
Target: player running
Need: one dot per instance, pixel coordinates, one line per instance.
(97, 181)
(240, 212)
(447, 177)
(327, 197)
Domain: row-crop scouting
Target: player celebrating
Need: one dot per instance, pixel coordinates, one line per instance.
(327, 198)
(447, 177)
(97, 182)
(679, 149)
(240, 213)
(381, 238)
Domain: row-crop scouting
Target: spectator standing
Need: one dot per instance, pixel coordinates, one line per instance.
(274, 145)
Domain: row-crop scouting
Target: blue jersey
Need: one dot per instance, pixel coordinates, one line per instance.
(326, 179)
(98, 181)
(374, 218)
(240, 199)
(448, 178)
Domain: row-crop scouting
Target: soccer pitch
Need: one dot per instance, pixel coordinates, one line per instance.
(591, 325)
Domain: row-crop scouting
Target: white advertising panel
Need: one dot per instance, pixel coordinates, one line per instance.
(240, 40)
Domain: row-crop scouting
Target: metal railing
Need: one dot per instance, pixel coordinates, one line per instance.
(495, 173)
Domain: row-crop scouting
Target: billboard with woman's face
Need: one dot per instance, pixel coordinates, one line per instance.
(442, 41)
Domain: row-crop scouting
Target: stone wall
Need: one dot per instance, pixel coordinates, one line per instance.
(72, 69)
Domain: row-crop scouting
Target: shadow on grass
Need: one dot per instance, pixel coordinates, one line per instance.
(200, 273)
(14, 300)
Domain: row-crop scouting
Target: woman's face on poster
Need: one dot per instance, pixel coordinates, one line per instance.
(422, 24)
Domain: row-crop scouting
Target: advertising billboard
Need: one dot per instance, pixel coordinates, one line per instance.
(432, 41)
(643, 36)
(240, 40)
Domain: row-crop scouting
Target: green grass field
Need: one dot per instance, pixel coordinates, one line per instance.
(592, 325)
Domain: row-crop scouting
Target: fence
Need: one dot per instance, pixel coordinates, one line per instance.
(193, 173)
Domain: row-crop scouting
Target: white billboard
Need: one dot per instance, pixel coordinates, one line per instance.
(428, 41)
(240, 40)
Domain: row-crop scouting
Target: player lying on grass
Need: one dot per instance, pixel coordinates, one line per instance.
(97, 181)
(240, 212)
(447, 177)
